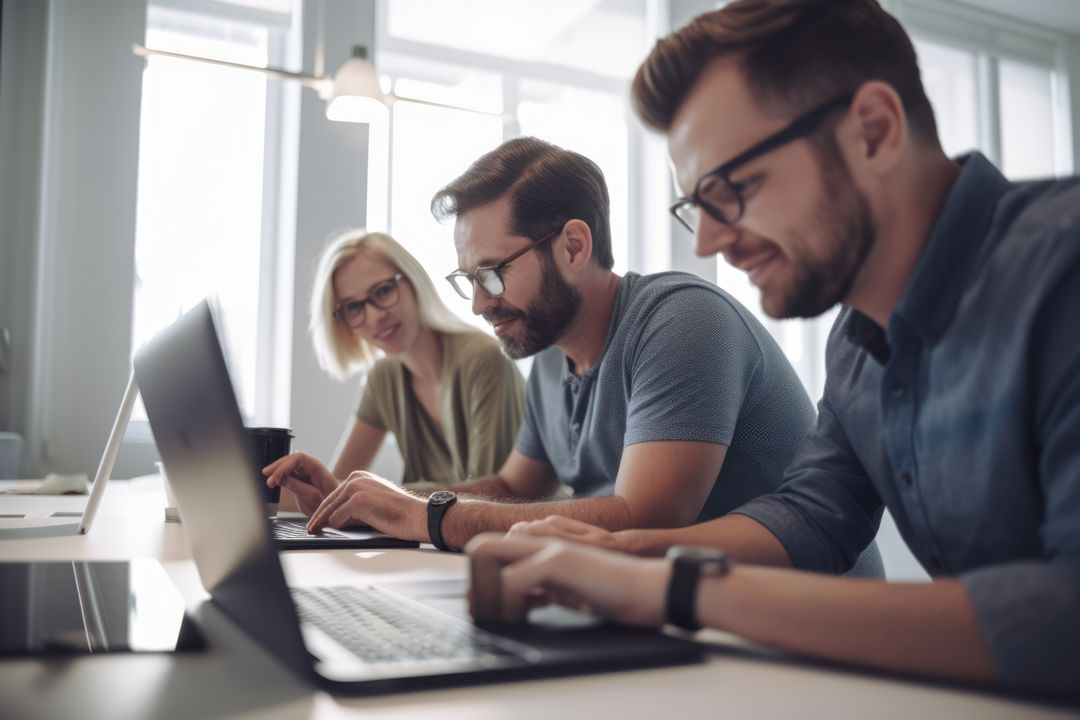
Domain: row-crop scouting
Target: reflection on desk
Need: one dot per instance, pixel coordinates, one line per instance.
(83, 608)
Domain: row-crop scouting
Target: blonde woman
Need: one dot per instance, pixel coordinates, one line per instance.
(451, 398)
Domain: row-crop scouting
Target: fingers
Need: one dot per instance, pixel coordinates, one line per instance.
(305, 494)
(506, 548)
(290, 465)
(556, 525)
(284, 460)
(321, 517)
(550, 568)
(343, 516)
(488, 602)
(494, 559)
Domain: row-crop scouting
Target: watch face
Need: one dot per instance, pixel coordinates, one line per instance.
(441, 497)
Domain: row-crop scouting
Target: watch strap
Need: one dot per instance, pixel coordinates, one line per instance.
(682, 593)
(435, 513)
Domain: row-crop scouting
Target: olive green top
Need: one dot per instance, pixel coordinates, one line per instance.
(482, 405)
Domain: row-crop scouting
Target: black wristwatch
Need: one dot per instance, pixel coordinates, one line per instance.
(437, 505)
(688, 565)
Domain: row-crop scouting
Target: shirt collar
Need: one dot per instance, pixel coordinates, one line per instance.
(568, 376)
(940, 276)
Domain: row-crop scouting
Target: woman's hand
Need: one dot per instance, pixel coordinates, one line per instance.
(307, 478)
(537, 569)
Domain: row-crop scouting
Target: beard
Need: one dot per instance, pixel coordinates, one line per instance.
(546, 318)
(824, 278)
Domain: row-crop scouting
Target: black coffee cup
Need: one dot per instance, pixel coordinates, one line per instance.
(269, 444)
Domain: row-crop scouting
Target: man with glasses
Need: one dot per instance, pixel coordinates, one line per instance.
(651, 420)
(953, 371)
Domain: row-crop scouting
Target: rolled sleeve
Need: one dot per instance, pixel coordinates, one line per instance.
(1029, 613)
(827, 510)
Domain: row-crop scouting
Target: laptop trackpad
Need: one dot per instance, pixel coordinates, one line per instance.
(449, 597)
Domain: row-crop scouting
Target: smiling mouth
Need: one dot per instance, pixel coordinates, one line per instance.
(387, 332)
(757, 268)
(501, 326)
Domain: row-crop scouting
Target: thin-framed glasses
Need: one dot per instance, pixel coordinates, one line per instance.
(719, 196)
(382, 295)
(489, 277)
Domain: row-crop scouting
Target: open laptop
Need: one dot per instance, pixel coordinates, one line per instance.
(291, 534)
(60, 524)
(357, 639)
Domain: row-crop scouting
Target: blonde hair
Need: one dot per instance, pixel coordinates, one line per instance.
(340, 353)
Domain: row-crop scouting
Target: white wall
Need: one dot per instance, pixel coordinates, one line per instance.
(22, 74)
(69, 219)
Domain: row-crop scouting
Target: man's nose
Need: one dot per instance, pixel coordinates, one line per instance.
(481, 301)
(712, 236)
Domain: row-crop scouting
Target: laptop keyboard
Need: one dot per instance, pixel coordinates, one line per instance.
(379, 630)
(291, 530)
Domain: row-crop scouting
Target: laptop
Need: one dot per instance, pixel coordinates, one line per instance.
(55, 527)
(358, 639)
(292, 534)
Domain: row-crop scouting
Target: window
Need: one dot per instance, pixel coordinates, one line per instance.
(997, 86)
(205, 148)
(557, 70)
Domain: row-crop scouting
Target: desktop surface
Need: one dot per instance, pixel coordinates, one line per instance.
(235, 678)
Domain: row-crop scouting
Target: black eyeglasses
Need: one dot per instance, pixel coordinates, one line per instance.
(382, 295)
(716, 194)
(489, 277)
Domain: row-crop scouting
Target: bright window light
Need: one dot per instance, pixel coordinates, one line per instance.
(199, 212)
(1027, 120)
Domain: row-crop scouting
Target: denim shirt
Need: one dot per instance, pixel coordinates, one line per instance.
(963, 419)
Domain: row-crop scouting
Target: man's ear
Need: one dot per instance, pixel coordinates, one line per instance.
(876, 130)
(574, 246)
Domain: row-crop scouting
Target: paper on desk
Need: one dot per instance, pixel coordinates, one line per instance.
(54, 484)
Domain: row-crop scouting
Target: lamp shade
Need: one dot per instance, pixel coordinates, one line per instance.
(356, 95)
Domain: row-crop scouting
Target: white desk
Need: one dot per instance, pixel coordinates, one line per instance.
(235, 679)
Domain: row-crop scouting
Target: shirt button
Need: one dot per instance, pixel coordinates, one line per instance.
(897, 390)
(905, 480)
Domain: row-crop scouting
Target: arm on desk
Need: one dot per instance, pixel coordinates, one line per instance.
(927, 629)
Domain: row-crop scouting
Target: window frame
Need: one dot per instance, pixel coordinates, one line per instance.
(992, 38)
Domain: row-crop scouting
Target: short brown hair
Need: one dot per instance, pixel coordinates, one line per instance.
(794, 54)
(547, 185)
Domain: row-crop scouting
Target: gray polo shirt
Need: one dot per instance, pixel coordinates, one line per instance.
(963, 418)
(682, 361)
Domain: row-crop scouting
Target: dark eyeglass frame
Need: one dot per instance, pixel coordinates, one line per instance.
(493, 272)
(339, 311)
(799, 128)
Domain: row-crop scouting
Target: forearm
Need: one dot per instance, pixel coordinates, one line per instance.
(744, 539)
(469, 518)
(491, 486)
(921, 628)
